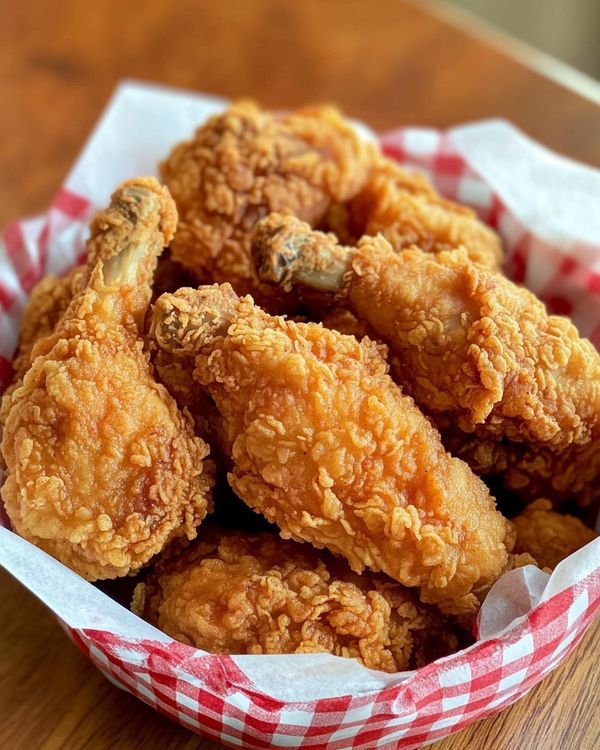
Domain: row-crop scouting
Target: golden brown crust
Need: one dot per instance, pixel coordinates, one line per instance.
(549, 536)
(472, 348)
(257, 594)
(103, 469)
(46, 305)
(475, 348)
(243, 164)
(405, 208)
(327, 447)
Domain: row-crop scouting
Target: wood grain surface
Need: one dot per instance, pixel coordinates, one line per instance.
(388, 62)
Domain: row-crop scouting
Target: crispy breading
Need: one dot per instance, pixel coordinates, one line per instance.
(468, 345)
(325, 445)
(233, 593)
(45, 306)
(102, 468)
(547, 535)
(244, 163)
(405, 208)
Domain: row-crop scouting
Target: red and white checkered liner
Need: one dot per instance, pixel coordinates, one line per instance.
(212, 694)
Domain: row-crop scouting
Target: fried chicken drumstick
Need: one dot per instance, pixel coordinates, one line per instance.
(102, 468)
(325, 445)
(245, 163)
(471, 347)
(236, 593)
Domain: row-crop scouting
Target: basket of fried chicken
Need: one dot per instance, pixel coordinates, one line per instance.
(284, 403)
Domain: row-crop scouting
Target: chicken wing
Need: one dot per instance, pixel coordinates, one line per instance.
(405, 208)
(257, 594)
(243, 164)
(547, 535)
(471, 347)
(102, 468)
(325, 445)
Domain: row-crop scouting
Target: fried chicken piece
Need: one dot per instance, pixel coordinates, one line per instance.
(549, 536)
(244, 163)
(469, 346)
(325, 445)
(103, 469)
(405, 208)
(46, 305)
(233, 593)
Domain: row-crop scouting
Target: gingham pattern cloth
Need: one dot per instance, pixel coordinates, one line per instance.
(211, 694)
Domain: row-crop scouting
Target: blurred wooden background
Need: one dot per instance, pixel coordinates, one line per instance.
(389, 62)
(567, 29)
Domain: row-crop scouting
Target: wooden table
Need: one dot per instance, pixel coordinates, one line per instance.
(388, 62)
